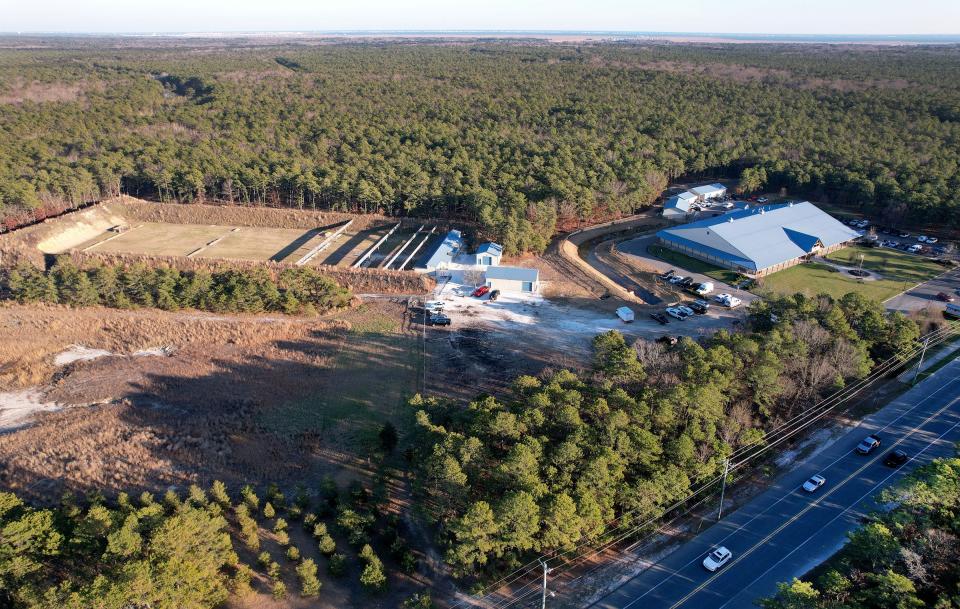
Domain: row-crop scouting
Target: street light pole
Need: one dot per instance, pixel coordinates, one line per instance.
(723, 489)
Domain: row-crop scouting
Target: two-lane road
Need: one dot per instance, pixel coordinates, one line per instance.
(785, 531)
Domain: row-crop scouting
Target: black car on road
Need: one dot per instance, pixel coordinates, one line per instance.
(660, 318)
(895, 458)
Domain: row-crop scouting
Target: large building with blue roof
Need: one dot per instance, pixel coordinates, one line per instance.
(761, 240)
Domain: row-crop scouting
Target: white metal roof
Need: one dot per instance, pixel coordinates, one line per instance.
(512, 273)
(762, 237)
(708, 189)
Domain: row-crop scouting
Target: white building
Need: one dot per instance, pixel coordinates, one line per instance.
(446, 251)
(488, 254)
(513, 279)
(678, 206)
(709, 191)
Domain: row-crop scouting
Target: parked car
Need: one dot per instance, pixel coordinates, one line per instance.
(727, 205)
(704, 288)
(667, 275)
(868, 444)
(814, 483)
(660, 318)
(932, 240)
(439, 319)
(762, 200)
(675, 279)
(943, 296)
(676, 313)
(495, 294)
(433, 305)
(895, 458)
(686, 310)
(717, 557)
(626, 314)
(915, 248)
(921, 238)
(687, 282)
(728, 300)
(461, 291)
(481, 291)
(903, 235)
(699, 306)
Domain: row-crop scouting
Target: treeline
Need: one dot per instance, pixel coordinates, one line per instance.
(521, 139)
(906, 558)
(550, 467)
(301, 290)
(197, 549)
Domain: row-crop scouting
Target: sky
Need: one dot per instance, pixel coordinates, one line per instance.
(706, 16)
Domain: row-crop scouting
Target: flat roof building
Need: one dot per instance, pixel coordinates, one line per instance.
(513, 279)
(762, 240)
(709, 191)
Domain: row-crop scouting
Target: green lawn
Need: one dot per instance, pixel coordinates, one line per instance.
(891, 264)
(900, 272)
(692, 264)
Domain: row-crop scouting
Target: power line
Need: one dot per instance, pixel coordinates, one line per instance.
(786, 430)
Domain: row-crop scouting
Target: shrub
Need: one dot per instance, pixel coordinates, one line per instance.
(307, 572)
(337, 565)
(279, 590)
(293, 553)
(327, 545)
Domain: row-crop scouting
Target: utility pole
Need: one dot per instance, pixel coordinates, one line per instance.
(543, 601)
(723, 489)
(926, 342)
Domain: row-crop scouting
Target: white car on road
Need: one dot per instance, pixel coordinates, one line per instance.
(717, 557)
(814, 483)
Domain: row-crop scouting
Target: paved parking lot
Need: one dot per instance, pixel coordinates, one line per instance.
(924, 295)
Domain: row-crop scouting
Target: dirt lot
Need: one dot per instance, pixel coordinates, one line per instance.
(188, 397)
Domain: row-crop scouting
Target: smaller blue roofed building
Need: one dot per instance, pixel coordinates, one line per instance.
(761, 240)
(678, 207)
(446, 251)
(488, 254)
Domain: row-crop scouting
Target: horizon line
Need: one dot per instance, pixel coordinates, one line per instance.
(342, 31)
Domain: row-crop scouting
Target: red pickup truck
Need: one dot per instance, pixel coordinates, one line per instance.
(481, 291)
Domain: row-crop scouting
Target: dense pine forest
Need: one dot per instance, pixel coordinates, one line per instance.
(520, 138)
(550, 468)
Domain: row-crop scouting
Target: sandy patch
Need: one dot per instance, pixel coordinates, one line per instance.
(79, 353)
(17, 408)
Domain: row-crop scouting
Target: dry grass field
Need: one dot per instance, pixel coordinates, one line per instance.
(188, 397)
(212, 241)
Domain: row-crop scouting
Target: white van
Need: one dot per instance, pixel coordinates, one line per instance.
(704, 288)
(625, 314)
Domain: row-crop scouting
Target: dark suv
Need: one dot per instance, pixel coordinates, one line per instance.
(439, 319)
(895, 458)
